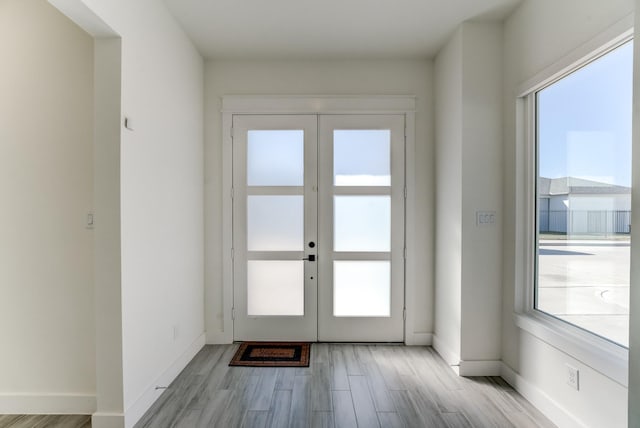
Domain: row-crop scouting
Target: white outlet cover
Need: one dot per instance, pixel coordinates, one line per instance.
(573, 377)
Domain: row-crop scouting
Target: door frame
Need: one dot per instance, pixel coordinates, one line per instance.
(319, 104)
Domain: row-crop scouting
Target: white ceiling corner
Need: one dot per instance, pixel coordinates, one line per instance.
(327, 29)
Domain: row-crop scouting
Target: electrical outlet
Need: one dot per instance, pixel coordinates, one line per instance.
(573, 377)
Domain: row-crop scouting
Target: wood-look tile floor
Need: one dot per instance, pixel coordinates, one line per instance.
(345, 386)
(45, 421)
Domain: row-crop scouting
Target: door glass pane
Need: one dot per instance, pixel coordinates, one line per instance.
(275, 223)
(275, 158)
(362, 157)
(361, 288)
(275, 288)
(362, 223)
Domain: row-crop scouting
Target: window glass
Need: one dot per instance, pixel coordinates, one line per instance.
(275, 288)
(584, 196)
(362, 157)
(362, 223)
(275, 223)
(361, 288)
(275, 158)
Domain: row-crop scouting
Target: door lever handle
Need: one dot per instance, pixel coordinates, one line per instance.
(311, 258)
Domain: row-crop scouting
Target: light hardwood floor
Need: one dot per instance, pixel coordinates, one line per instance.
(45, 421)
(345, 386)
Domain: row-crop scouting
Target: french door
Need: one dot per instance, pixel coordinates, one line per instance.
(318, 227)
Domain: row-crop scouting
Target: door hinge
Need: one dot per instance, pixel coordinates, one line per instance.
(232, 193)
(405, 253)
(405, 192)
(232, 254)
(231, 132)
(404, 314)
(233, 313)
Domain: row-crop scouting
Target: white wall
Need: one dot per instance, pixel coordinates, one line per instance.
(311, 78)
(107, 242)
(162, 199)
(161, 174)
(538, 34)
(481, 191)
(47, 363)
(448, 253)
(468, 179)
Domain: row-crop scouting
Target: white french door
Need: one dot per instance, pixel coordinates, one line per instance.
(318, 227)
(361, 225)
(274, 225)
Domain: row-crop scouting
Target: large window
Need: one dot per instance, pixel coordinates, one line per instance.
(583, 196)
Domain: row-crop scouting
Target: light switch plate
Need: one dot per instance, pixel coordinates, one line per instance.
(485, 218)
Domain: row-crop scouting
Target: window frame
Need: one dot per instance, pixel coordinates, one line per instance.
(607, 357)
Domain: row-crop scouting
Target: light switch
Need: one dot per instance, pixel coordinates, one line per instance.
(89, 224)
(485, 218)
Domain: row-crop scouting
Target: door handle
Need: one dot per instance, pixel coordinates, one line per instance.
(311, 258)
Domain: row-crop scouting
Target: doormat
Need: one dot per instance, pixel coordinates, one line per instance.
(272, 354)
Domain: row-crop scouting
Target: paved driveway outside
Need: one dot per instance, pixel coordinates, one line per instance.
(587, 283)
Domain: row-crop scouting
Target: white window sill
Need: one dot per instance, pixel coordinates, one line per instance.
(601, 355)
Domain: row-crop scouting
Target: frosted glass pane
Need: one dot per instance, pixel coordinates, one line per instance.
(362, 289)
(275, 158)
(362, 223)
(362, 157)
(275, 223)
(275, 288)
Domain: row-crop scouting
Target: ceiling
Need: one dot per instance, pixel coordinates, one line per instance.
(336, 29)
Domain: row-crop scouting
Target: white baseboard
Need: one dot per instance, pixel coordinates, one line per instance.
(107, 420)
(418, 339)
(412, 339)
(480, 368)
(38, 404)
(219, 338)
(552, 410)
(447, 354)
(151, 394)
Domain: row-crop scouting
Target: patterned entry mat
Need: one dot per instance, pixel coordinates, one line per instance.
(272, 354)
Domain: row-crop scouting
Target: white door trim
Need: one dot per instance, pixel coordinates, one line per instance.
(315, 104)
(318, 104)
